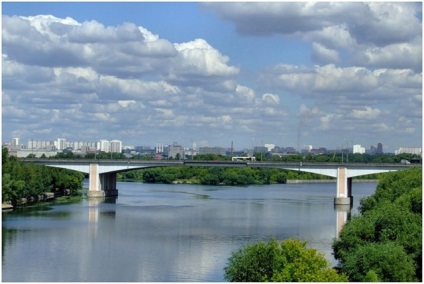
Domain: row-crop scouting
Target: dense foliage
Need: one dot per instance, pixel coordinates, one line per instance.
(307, 158)
(23, 180)
(237, 176)
(290, 261)
(384, 243)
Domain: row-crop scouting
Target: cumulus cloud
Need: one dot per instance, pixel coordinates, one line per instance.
(127, 80)
(271, 99)
(79, 82)
(379, 30)
(366, 113)
(198, 58)
(324, 55)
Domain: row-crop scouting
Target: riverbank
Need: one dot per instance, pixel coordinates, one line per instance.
(327, 180)
(47, 198)
(290, 181)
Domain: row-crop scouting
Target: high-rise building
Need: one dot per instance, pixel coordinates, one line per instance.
(379, 148)
(116, 146)
(15, 143)
(176, 151)
(409, 150)
(159, 148)
(269, 147)
(61, 144)
(358, 149)
(104, 146)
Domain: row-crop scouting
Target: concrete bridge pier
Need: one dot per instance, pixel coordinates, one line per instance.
(342, 216)
(108, 184)
(101, 185)
(344, 188)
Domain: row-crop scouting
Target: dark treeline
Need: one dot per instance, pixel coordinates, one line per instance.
(206, 175)
(337, 158)
(221, 175)
(307, 158)
(23, 180)
(224, 175)
(384, 243)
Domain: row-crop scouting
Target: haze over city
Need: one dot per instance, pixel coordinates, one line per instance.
(290, 74)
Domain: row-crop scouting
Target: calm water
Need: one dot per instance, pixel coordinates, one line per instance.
(164, 232)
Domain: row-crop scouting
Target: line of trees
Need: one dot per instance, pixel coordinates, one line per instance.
(337, 158)
(321, 158)
(220, 175)
(207, 176)
(216, 175)
(382, 244)
(22, 180)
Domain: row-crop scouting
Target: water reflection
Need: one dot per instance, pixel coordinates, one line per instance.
(94, 212)
(164, 232)
(343, 215)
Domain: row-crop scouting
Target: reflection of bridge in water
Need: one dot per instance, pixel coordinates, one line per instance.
(102, 173)
(343, 213)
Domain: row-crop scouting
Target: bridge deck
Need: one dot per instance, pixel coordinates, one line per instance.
(199, 163)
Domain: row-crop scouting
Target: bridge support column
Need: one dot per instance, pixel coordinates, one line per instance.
(344, 188)
(101, 185)
(343, 214)
(94, 189)
(108, 183)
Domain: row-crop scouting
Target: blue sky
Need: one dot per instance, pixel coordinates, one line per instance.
(290, 74)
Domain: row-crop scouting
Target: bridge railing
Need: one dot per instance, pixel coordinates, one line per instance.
(216, 163)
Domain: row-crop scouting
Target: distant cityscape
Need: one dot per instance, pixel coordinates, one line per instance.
(48, 148)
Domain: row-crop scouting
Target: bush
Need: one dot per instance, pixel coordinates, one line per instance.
(290, 261)
(390, 217)
(382, 262)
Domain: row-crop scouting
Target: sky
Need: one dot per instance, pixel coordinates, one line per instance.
(327, 74)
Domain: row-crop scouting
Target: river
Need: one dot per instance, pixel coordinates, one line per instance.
(156, 232)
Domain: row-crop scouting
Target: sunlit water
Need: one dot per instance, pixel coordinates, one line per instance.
(165, 232)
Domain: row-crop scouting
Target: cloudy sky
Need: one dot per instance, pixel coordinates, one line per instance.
(290, 74)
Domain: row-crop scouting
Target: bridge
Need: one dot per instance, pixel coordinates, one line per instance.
(102, 173)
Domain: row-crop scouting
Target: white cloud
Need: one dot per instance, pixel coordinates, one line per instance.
(125, 104)
(397, 55)
(366, 113)
(324, 55)
(245, 93)
(271, 99)
(197, 57)
(376, 29)
(63, 72)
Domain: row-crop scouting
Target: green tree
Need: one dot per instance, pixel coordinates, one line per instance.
(392, 215)
(384, 262)
(289, 261)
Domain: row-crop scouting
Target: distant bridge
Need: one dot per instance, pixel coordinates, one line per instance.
(102, 173)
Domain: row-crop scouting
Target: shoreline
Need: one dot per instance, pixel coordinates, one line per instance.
(291, 181)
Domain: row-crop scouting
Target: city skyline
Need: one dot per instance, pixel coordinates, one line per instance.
(293, 74)
(104, 145)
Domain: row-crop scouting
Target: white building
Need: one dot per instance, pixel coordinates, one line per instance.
(176, 150)
(409, 150)
(104, 146)
(116, 146)
(159, 148)
(269, 147)
(308, 148)
(61, 144)
(15, 143)
(358, 149)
